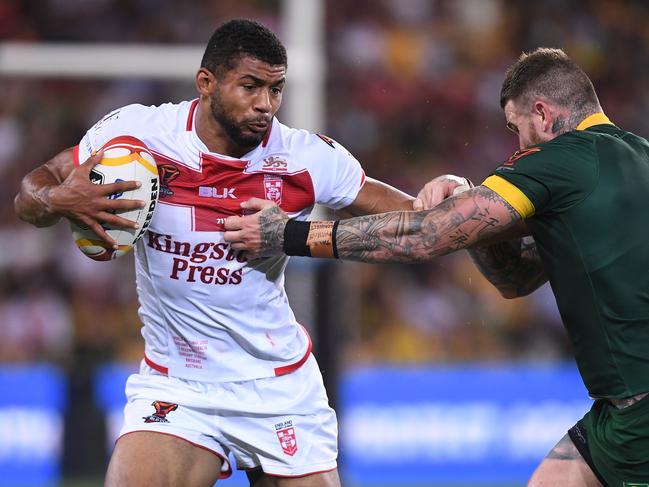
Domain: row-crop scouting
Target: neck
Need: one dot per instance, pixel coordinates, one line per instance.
(578, 114)
(213, 135)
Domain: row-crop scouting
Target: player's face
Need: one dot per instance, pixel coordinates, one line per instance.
(527, 124)
(246, 99)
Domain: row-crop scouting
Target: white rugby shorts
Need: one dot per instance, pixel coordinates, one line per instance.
(282, 424)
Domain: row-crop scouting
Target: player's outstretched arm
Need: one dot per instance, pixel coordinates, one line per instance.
(411, 236)
(245, 232)
(377, 197)
(59, 189)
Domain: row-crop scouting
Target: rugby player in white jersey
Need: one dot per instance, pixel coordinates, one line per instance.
(226, 368)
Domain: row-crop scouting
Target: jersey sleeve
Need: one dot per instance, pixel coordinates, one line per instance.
(123, 121)
(549, 177)
(337, 174)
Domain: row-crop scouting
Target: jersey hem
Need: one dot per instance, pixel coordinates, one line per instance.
(278, 371)
(154, 366)
(287, 369)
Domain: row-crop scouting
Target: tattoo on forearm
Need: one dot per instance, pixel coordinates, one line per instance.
(419, 236)
(272, 221)
(514, 267)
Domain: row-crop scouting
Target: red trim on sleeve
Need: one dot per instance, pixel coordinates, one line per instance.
(75, 155)
(224, 461)
(362, 178)
(287, 369)
(154, 366)
(190, 117)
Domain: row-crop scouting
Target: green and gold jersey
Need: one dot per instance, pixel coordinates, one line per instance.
(585, 195)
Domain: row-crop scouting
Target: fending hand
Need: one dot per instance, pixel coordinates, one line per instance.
(261, 234)
(88, 204)
(438, 189)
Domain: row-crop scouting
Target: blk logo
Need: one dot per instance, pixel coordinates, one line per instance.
(219, 193)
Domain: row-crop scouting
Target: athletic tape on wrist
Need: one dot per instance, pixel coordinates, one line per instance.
(320, 239)
(310, 239)
(295, 237)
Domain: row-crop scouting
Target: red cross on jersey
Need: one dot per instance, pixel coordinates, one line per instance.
(208, 313)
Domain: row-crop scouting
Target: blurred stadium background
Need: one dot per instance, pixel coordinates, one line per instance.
(436, 379)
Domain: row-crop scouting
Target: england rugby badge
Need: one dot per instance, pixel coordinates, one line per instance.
(286, 436)
(273, 188)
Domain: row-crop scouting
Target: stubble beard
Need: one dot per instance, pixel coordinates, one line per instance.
(535, 139)
(232, 129)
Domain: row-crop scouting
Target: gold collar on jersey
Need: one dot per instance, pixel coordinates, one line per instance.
(594, 119)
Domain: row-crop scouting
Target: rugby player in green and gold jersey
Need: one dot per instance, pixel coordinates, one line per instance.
(580, 186)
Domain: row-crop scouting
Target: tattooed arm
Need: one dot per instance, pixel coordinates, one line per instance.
(513, 267)
(477, 216)
(406, 236)
(455, 224)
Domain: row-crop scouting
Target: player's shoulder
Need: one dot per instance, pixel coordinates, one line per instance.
(574, 139)
(139, 120)
(302, 142)
(571, 146)
(577, 147)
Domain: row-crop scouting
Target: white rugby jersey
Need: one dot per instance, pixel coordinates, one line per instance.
(208, 313)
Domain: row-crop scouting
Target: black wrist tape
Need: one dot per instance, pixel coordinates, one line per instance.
(295, 237)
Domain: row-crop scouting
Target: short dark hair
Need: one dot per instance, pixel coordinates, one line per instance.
(549, 73)
(238, 38)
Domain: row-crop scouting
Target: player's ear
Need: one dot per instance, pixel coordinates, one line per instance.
(205, 82)
(542, 110)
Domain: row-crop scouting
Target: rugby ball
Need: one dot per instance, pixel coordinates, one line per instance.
(465, 184)
(125, 158)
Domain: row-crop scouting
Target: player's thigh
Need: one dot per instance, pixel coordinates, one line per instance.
(564, 466)
(146, 458)
(324, 479)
